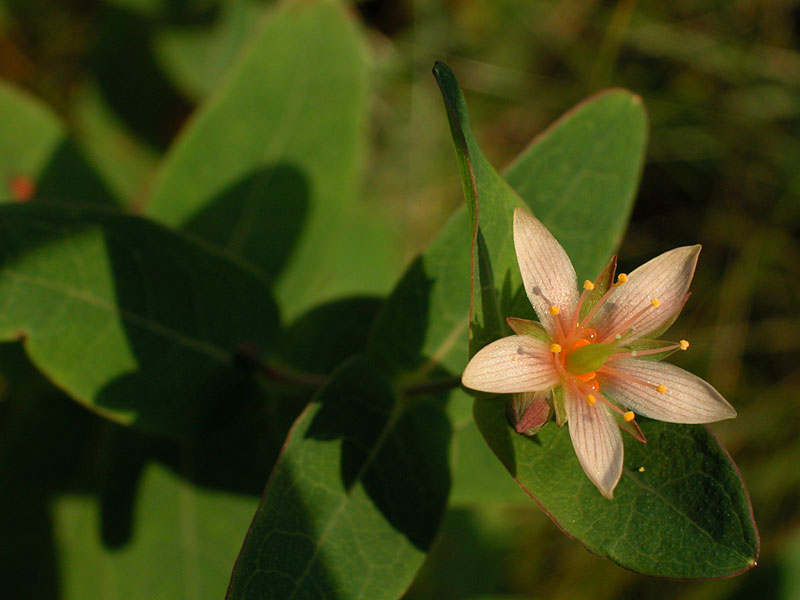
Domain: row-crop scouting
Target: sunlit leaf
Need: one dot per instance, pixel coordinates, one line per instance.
(269, 172)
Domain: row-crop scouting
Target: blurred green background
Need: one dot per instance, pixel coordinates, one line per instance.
(721, 82)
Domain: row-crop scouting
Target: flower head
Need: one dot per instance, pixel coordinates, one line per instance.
(591, 351)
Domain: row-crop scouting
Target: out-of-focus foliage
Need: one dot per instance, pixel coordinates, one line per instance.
(721, 81)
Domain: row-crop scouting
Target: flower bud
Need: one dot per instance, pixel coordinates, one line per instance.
(528, 412)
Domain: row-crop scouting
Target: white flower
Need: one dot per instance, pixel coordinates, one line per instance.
(591, 349)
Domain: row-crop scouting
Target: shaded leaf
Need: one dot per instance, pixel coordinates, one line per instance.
(130, 319)
(355, 498)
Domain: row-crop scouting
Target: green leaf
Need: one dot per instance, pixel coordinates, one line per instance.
(269, 172)
(355, 498)
(35, 149)
(580, 175)
(680, 509)
(129, 318)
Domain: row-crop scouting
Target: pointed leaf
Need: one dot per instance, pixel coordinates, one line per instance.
(355, 498)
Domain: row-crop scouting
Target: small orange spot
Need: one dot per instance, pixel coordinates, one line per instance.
(629, 416)
(580, 344)
(594, 385)
(21, 187)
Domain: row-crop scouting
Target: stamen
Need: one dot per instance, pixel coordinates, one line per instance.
(581, 388)
(684, 345)
(554, 310)
(595, 308)
(622, 278)
(555, 348)
(606, 370)
(588, 285)
(629, 416)
(628, 326)
(635, 353)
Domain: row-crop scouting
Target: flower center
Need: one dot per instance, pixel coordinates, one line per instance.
(585, 357)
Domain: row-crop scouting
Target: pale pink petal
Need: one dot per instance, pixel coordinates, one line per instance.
(517, 363)
(547, 273)
(687, 399)
(597, 441)
(666, 279)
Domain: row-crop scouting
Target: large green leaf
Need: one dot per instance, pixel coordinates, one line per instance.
(35, 150)
(575, 174)
(268, 169)
(129, 318)
(680, 509)
(355, 498)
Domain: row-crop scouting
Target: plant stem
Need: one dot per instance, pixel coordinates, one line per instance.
(250, 358)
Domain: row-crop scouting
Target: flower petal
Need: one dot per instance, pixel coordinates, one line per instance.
(597, 441)
(688, 399)
(665, 278)
(547, 273)
(517, 363)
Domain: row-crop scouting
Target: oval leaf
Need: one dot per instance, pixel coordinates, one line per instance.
(680, 509)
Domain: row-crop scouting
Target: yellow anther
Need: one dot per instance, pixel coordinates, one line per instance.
(629, 416)
(554, 310)
(590, 400)
(588, 285)
(684, 345)
(622, 278)
(555, 348)
(661, 389)
(655, 302)
(641, 469)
